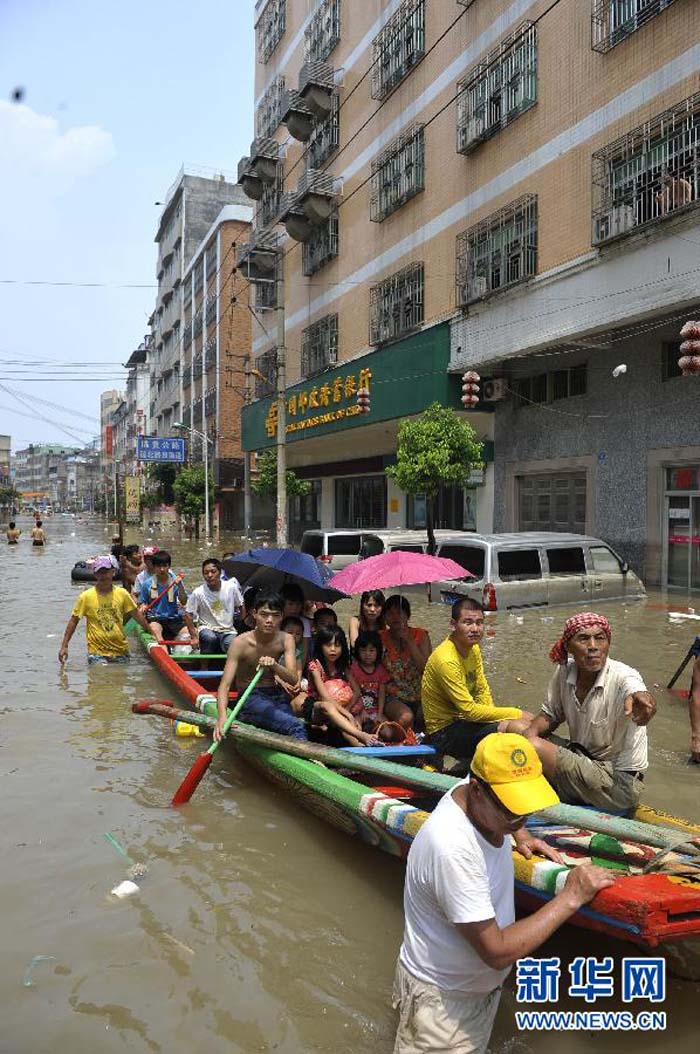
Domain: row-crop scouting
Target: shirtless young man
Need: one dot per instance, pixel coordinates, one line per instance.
(267, 646)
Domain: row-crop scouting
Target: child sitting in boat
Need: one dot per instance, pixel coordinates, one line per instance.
(292, 624)
(331, 690)
(371, 678)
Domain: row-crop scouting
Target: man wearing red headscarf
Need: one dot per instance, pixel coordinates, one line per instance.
(606, 706)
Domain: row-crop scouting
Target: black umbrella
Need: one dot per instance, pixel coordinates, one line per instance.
(274, 568)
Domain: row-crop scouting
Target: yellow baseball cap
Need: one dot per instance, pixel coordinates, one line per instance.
(511, 767)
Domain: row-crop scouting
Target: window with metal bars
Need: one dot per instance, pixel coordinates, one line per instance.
(398, 174)
(210, 262)
(269, 111)
(210, 354)
(265, 293)
(323, 31)
(396, 305)
(321, 247)
(498, 252)
(197, 367)
(187, 377)
(197, 413)
(498, 90)
(211, 310)
(197, 324)
(648, 174)
(268, 208)
(210, 402)
(266, 365)
(612, 21)
(270, 29)
(398, 47)
(197, 275)
(187, 335)
(187, 416)
(324, 138)
(319, 346)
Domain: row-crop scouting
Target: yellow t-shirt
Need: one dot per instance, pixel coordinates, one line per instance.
(456, 689)
(104, 620)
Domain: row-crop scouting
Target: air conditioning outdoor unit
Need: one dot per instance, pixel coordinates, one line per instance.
(494, 391)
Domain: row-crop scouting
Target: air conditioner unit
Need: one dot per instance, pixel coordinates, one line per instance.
(494, 391)
(615, 222)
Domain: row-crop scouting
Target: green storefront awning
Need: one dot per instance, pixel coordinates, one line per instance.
(403, 378)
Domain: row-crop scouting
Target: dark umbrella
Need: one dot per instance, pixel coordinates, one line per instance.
(275, 568)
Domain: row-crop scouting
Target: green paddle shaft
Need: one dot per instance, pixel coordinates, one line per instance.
(237, 708)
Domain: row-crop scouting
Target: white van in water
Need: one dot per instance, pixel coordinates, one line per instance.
(533, 569)
(339, 547)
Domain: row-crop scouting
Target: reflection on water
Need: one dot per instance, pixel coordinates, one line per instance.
(257, 928)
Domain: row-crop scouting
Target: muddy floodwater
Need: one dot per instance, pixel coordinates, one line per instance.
(257, 928)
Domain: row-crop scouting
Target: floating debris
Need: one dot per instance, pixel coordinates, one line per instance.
(28, 979)
(125, 889)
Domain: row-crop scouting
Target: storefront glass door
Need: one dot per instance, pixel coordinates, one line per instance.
(682, 528)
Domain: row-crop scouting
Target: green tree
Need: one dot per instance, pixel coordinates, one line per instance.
(266, 483)
(164, 477)
(9, 496)
(188, 490)
(433, 450)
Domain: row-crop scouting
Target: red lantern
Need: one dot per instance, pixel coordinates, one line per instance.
(690, 349)
(363, 400)
(470, 388)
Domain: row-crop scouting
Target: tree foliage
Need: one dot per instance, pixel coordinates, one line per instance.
(266, 483)
(164, 476)
(9, 496)
(433, 450)
(188, 490)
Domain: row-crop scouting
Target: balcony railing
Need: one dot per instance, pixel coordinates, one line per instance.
(266, 366)
(325, 137)
(211, 311)
(268, 113)
(612, 21)
(271, 27)
(398, 174)
(323, 31)
(649, 174)
(197, 367)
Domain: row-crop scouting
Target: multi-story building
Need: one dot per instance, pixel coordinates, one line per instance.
(350, 178)
(36, 471)
(137, 399)
(215, 347)
(190, 207)
(510, 187)
(5, 460)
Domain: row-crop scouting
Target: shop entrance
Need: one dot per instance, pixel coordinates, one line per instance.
(682, 528)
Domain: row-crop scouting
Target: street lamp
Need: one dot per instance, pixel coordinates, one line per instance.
(205, 450)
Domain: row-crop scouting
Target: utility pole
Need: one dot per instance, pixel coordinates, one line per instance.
(281, 378)
(247, 496)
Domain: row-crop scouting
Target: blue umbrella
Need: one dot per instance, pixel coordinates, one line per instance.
(275, 568)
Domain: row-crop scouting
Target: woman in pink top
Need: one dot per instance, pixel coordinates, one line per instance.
(406, 651)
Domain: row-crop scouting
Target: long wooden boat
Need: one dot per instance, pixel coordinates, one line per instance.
(654, 905)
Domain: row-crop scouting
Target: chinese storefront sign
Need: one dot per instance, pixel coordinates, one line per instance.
(132, 488)
(327, 397)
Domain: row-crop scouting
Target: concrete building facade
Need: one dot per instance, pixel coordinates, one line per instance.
(215, 349)
(5, 460)
(191, 205)
(510, 187)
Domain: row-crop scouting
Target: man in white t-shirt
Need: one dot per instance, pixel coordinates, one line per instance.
(460, 936)
(214, 605)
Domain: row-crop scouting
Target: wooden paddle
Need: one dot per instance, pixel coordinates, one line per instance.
(693, 650)
(194, 777)
(129, 624)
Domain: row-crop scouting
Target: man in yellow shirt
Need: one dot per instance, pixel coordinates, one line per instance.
(457, 704)
(105, 607)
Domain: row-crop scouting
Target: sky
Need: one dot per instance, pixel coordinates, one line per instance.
(115, 98)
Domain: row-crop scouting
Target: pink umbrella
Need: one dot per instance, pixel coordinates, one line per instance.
(392, 570)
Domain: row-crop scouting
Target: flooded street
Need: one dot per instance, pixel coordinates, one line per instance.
(257, 928)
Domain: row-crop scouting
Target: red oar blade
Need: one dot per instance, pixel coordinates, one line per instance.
(192, 780)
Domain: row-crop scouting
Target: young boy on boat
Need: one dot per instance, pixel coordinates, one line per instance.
(268, 705)
(104, 607)
(215, 605)
(606, 706)
(149, 551)
(168, 615)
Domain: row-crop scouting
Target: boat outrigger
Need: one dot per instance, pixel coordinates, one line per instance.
(380, 796)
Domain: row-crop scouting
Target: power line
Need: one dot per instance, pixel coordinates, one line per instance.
(42, 417)
(39, 417)
(76, 285)
(57, 406)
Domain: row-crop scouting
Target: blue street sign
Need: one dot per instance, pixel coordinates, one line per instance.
(149, 448)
